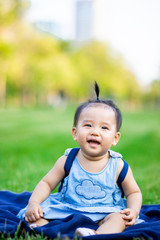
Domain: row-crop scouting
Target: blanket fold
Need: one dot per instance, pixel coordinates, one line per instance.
(11, 203)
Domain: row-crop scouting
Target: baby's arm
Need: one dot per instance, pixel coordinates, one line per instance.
(43, 189)
(134, 199)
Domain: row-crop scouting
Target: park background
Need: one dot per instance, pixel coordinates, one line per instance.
(42, 80)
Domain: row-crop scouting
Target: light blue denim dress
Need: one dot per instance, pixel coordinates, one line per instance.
(91, 194)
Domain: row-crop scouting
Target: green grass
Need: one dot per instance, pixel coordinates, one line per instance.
(31, 140)
(140, 147)
(30, 143)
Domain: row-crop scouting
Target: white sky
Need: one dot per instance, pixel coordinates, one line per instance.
(132, 27)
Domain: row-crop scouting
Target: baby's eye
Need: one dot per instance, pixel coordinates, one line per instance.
(104, 127)
(87, 125)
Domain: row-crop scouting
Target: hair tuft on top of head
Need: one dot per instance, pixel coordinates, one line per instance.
(107, 102)
(96, 90)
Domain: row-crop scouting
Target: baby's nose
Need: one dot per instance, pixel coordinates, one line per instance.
(95, 132)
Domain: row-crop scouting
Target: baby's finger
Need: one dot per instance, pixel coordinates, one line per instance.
(32, 218)
(130, 223)
(26, 219)
(35, 217)
(40, 212)
(129, 217)
(125, 211)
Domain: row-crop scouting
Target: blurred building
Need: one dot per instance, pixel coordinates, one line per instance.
(75, 24)
(84, 20)
(48, 27)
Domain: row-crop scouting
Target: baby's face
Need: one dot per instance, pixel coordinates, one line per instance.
(96, 129)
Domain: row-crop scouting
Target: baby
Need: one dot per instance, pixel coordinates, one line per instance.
(91, 188)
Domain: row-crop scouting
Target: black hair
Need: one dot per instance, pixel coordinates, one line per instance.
(107, 102)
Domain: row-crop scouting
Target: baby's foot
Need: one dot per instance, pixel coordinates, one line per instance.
(85, 232)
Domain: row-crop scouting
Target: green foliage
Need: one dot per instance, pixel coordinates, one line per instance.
(155, 92)
(12, 10)
(35, 66)
(96, 62)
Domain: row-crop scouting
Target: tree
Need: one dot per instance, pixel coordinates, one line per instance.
(10, 12)
(35, 65)
(95, 61)
(155, 92)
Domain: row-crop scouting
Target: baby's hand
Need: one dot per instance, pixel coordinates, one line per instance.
(130, 216)
(33, 212)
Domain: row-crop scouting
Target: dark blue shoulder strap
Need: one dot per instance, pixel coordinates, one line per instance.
(68, 164)
(70, 159)
(122, 175)
(123, 172)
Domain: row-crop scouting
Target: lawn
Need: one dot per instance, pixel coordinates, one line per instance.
(32, 139)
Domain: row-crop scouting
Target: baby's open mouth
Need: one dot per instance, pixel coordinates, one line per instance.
(93, 141)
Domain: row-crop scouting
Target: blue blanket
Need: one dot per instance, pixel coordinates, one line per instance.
(11, 203)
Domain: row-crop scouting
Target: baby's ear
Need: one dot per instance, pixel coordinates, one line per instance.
(74, 133)
(116, 138)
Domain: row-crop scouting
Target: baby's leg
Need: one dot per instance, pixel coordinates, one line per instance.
(112, 223)
(40, 222)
